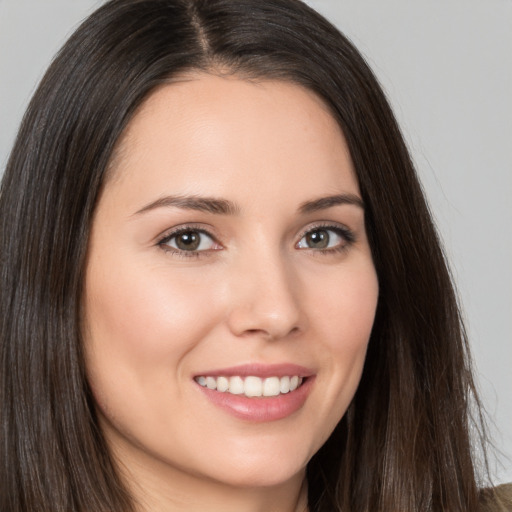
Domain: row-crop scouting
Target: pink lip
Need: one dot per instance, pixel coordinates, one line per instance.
(260, 409)
(260, 370)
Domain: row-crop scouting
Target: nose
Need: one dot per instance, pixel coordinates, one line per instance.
(265, 300)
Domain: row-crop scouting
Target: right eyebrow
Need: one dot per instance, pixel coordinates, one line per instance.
(198, 203)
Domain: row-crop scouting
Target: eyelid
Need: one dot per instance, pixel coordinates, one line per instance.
(180, 228)
(168, 235)
(341, 230)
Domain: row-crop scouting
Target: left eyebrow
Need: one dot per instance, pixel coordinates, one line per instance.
(327, 202)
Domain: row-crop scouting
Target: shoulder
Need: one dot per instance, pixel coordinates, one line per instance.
(496, 499)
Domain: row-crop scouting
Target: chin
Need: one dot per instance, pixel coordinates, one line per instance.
(262, 469)
(258, 477)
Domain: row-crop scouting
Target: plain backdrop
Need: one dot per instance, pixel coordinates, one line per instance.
(446, 66)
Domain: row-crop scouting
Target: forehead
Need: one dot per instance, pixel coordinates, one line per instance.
(203, 131)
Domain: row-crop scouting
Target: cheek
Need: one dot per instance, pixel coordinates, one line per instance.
(142, 314)
(345, 309)
(343, 317)
(139, 327)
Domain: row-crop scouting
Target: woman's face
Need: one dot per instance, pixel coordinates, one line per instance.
(228, 251)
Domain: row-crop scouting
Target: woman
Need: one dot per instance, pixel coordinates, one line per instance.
(221, 286)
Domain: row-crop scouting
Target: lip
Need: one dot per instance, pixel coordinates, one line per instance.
(260, 409)
(259, 370)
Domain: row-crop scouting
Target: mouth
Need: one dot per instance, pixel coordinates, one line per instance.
(251, 386)
(257, 393)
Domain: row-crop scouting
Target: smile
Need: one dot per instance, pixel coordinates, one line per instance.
(251, 386)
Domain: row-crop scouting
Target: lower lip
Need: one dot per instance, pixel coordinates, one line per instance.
(261, 409)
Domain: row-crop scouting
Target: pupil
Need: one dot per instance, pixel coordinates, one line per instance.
(188, 241)
(318, 239)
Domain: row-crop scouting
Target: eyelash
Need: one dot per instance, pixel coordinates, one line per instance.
(162, 243)
(346, 234)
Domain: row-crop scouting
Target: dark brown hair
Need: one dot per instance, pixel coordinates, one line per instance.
(404, 443)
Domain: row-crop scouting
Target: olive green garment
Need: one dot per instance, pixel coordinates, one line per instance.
(497, 499)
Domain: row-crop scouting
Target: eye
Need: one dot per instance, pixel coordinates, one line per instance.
(189, 240)
(322, 238)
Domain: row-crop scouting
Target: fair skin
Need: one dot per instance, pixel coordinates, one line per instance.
(267, 282)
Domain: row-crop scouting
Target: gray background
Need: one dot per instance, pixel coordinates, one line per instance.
(447, 68)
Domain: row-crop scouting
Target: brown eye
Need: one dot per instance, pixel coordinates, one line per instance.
(190, 240)
(317, 239)
(323, 238)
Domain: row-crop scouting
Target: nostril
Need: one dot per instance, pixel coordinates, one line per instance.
(270, 333)
(256, 312)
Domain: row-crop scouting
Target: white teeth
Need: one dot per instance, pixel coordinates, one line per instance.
(222, 384)
(236, 386)
(271, 386)
(284, 385)
(211, 383)
(251, 386)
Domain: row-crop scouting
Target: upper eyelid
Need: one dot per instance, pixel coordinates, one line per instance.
(162, 242)
(325, 225)
(172, 232)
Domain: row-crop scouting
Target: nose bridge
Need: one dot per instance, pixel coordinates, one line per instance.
(265, 297)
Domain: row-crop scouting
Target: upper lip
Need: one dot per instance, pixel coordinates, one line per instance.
(259, 370)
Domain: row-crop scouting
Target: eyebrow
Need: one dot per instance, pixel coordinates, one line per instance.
(225, 207)
(202, 204)
(327, 202)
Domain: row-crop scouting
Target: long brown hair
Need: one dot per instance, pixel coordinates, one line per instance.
(404, 443)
